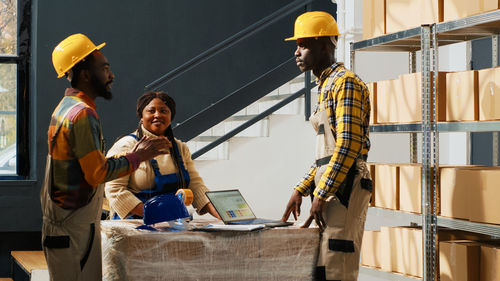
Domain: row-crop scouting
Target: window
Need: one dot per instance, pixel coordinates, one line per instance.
(14, 55)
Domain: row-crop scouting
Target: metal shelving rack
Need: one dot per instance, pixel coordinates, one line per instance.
(427, 39)
(473, 126)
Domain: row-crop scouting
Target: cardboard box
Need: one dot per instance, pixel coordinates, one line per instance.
(372, 87)
(490, 263)
(459, 260)
(409, 260)
(387, 186)
(405, 14)
(410, 100)
(470, 193)
(462, 96)
(388, 92)
(373, 18)
(405, 255)
(410, 188)
(483, 199)
(455, 184)
(387, 244)
(370, 249)
(400, 100)
(489, 94)
(410, 104)
(457, 9)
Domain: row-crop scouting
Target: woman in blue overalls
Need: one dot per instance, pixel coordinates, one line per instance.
(163, 174)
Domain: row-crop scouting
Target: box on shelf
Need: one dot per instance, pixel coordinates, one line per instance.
(386, 243)
(490, 263)
(457, 9)
(410, 106)
(410, 188)
(409, 260)
(370, 249)
(484, 206)
(459, 260)
(462, 96)
(372, 87)
(489, 94)
(404, 252)
(405, 14)
(388, 93)
(400, 100)
(410, 99)
(470, 193)
(455, 184)
(373, 18)
(387, 186)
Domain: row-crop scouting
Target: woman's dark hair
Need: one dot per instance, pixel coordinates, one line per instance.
(142, 102)
(147, 97)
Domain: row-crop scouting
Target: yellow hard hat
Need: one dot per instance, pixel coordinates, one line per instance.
(314, 24)
(70, 51)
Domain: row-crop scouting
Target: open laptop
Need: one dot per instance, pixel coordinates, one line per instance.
(233, 209)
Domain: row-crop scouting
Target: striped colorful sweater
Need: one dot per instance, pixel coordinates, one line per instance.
(78, 161)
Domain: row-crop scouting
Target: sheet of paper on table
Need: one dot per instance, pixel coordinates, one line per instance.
(228, 227)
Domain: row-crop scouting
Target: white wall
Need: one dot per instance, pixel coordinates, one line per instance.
(266, 169)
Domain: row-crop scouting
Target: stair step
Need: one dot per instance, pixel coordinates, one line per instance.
(220, 152)
(259, 129)
(30, 260)
(277, 97)
(29, 265)
(240, 117)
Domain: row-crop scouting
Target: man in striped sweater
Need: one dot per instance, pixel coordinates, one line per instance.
(72, 193)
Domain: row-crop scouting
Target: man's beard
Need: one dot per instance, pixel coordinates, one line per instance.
(100, 87)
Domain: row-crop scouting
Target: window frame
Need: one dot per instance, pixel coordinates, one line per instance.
(22, 59)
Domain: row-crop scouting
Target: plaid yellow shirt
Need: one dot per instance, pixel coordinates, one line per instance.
(348, 109)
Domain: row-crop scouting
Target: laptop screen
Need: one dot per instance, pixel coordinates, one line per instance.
(230, 205)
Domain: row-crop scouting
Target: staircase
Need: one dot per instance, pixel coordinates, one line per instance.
(259, 129)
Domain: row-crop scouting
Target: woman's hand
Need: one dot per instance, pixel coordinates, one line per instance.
(138, 210)
(211, 210)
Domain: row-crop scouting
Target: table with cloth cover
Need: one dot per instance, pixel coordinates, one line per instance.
(285, 253)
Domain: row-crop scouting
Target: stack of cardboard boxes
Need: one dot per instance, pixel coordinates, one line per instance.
(462, 255)
(388, 16)
(464, 192)
(397, 187)
(462, 96)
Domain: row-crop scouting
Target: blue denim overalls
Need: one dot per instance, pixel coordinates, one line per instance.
(168, 183)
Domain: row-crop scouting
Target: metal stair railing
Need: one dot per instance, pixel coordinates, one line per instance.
(245, 95)
(227, 43)
(304, 91)
(235, 101)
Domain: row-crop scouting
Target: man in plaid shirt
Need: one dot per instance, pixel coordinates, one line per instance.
(338, 180)
(71, 196)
